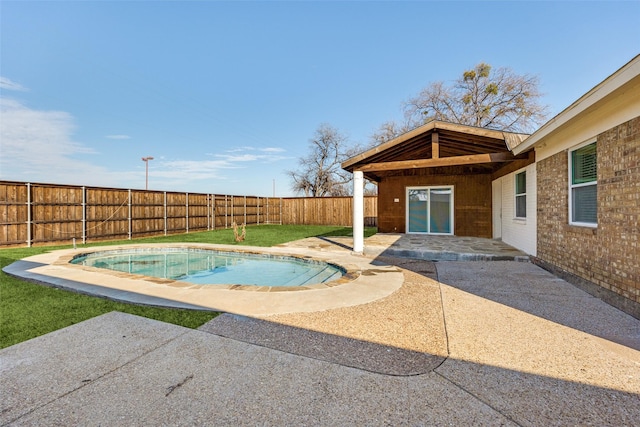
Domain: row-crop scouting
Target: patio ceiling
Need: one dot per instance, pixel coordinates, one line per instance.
(438, 145)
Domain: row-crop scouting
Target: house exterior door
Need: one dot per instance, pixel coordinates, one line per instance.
(430, 210)
(496, 208)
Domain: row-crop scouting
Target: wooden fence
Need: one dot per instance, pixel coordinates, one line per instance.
(327, 211)
(48, 213)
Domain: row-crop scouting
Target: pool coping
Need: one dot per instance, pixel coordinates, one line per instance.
(365, 280)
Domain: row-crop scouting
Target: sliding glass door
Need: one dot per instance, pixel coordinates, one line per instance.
(430, 210)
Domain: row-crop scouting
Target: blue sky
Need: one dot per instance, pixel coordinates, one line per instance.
(226, 95)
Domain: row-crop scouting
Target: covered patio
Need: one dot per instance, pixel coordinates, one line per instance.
(435, 179)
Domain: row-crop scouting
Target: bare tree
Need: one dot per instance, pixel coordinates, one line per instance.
(386, 132)
(319, 173)
(482, 97)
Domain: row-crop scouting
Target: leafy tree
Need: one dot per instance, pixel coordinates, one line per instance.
(319, 173)
(483, 97)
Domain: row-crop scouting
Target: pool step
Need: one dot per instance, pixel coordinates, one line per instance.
(314, 276)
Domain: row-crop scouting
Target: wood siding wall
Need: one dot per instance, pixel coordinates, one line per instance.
(49, 213)
(471, 200)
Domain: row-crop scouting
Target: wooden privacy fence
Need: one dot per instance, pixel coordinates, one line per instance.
(327, 211)
(49, 213)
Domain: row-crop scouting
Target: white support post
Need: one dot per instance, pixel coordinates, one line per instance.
(29, 219)
(358, 212)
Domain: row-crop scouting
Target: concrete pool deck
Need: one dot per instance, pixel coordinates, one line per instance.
(458, 343)
(365, 281)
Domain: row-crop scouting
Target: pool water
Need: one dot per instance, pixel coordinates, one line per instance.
(206, 267)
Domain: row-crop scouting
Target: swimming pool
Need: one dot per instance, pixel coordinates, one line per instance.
(211, 267)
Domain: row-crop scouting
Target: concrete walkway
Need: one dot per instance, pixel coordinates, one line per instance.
(460, 343)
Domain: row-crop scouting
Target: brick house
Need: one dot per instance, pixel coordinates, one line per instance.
(568, 195)
(587, 191)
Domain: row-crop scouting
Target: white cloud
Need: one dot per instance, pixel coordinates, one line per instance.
(239, 158)
(37, 146)
(251, 154)
(8, 84)
(240, 149)
(195, 169)
(36, 136)
(249, 148)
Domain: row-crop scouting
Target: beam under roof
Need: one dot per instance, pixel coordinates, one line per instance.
(438, 162)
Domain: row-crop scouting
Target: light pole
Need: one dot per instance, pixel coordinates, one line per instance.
(146, 172)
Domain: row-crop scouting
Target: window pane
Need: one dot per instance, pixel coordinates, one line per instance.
(585, 202)
(583, 163)
(521, 183)
(418, 211)
(440, 219)
(521, 206)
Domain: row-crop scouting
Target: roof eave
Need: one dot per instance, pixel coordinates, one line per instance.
(621, 77)
(432, 125)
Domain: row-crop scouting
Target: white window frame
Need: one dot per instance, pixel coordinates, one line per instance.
(516, 195)
(451, 213)
(585, 184)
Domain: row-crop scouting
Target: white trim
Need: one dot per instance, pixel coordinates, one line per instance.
(496, 208)
(621, 77)
(517, 232)
(516, 195)
(451, 211)
(587, 184)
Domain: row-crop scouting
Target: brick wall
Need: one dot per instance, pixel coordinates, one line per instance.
(609, 255)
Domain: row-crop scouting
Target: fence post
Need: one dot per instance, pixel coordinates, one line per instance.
(213, 212)
(280, 210)
(84, 215)
(208, 214)
(245, 210)
(129, 203)
(187, 206)
(258, 215)
(165, 213)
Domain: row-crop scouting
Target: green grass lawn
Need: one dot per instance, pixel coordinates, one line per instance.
(28, 310)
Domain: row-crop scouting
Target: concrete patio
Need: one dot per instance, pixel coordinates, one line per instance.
(459, 343)
(426, 247)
